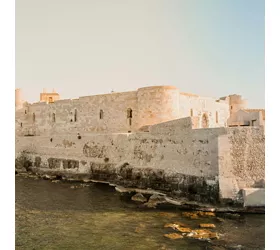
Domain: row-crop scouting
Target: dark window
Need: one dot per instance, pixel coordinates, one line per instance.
(21, 124)
(25, 112)
(129, 113)
(53, 117)
(33, 117)
(101, 114)
(130, 121)
(75, 115)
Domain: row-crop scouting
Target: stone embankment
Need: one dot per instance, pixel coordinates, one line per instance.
(172, 164)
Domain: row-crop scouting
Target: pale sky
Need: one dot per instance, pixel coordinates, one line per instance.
(86, 47)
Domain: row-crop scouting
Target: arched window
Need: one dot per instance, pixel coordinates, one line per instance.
(205, 121)
(217, 117)
(75, 115)
(53, 117)
(191, 111)
(33, 117)
(129, 113)
(101, 114)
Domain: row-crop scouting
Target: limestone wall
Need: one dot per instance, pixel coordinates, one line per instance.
(217, 113)
(81, 115)
(109, 113)
(241, 160)
(193, 154)
(231, 158)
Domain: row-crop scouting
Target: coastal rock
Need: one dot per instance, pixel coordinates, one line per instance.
(191, 215)
(178, 227)
(55, 181)
(157, 198)
(218, 219)
(173, 236)
(207, 225)
(46, 177)
(202, 234)
(139, 197)
(205, 214)
(231, 216)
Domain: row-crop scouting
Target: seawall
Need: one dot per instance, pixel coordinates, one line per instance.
(204, 165)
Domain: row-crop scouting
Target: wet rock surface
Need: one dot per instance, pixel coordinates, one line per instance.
(139, 197)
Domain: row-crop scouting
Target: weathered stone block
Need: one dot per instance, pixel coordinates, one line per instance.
(253, 197)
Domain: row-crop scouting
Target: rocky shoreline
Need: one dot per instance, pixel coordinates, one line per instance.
(147, 198)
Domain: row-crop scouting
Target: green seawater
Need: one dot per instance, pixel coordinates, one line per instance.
(55, 216)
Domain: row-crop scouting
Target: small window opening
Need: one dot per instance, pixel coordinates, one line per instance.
(53, 117)
(25, 112)
(130, 121)
(101, 114)
(21, 124)
(75, 115)
(71, 120)
(217, 117)
(129, 113)
(33, 117)
(231, 107)
(191, 112)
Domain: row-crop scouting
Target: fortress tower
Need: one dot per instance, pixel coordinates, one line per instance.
(49, 97)
(236, 103)
(157, 104)
(18, 99)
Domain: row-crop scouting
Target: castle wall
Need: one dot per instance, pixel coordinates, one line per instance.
(216, 112)
(228, 158)
(149, 106)
(81, 115)
(241, 160)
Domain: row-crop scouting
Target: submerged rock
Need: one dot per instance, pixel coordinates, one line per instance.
(207, 225)
(168, 215)
(231, 216)
(173, 236)
(205, 214)
(191, 215)
(218, 219)
(55, 181)
(178, 227)
(202, 234)
(140, 228)
(139, 197)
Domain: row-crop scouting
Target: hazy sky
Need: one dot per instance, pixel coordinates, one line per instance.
(86, 47)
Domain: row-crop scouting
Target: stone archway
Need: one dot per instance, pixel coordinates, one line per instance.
(204, 121)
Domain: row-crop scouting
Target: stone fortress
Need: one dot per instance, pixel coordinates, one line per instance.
(203, 149)
(129, 112)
